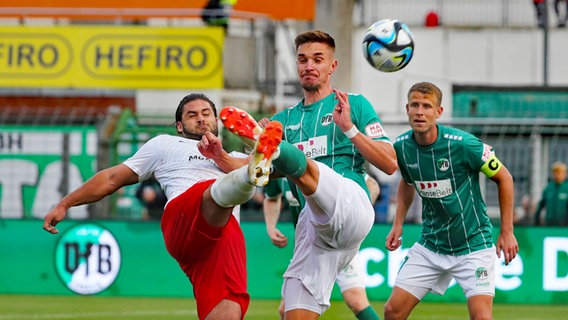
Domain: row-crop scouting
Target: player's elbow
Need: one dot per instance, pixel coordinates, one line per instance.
(391, 170)
(390, 167)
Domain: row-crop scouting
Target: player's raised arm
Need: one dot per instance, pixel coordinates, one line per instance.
(99, 186)
(381, 154)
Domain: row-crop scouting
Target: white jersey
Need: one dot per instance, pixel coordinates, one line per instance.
(175, 162)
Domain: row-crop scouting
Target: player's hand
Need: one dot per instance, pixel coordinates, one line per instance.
(277, 238)
(53, 218)
(394, 239)
(507, 243)
(342, 111)
(210, 146)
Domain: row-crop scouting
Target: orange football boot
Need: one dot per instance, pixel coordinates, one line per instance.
(241, 123)
(265, 150)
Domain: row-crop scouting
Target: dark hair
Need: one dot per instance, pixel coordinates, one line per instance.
(314, 36)
(426, 88)
(192, 97)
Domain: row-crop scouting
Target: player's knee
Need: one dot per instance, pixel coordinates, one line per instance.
(281, 309)
(393, 313)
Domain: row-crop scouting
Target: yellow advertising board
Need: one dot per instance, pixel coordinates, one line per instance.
(121, 57)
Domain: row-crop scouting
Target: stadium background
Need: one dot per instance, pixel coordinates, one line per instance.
(504, 80)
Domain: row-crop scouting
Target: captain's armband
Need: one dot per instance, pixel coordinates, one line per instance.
(491, 166)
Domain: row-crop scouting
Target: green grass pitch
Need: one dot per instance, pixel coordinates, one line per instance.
(24, 307)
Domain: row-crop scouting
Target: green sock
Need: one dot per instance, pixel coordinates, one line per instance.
(368, 314)
(291, 161)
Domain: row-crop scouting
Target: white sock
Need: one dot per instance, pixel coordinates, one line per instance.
(232, 189)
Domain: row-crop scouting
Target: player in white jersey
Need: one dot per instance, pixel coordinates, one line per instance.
(198, 224)
(336, 212)
(442, 165)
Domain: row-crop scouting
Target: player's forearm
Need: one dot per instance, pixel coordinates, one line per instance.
(399, 216)
(228, 163)
(93, 190)
(271, 210)
(507, 212)
(404, 198)
(506, 202)
(380, 154)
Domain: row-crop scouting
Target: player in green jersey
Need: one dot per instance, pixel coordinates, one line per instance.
(339, 131)
(554, 199)
(442, 164)
(350, 280)
(326, 139)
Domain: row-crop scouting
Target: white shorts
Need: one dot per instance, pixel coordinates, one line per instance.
(424, 270)
(351, 276)
(330, 229)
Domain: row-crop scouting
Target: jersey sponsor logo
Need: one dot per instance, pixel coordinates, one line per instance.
(487, 152)
(314, 147)
(326, 119)
(197, 157)
(434, 189)
(443, 164)
(375, 130)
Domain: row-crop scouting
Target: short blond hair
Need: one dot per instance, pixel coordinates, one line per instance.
(426, 88)
(558, 166)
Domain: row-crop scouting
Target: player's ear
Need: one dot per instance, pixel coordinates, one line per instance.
(179, 127)
(439, 111)
(333, 66)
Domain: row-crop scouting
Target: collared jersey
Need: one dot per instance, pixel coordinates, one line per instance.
(312, 130)
(446, 175)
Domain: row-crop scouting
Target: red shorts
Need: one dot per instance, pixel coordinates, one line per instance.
(214, 259)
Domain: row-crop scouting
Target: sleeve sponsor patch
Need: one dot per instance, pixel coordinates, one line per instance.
(487, 152)
(375, 130)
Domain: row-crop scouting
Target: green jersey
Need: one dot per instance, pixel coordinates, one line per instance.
(555, 200)
(446, 175)
(312, 130)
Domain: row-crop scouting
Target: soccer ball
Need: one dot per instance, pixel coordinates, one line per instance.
(388, 45)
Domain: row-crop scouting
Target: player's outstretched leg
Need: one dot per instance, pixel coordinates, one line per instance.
(265, 150)
(290, 160)
(237, 186)
(242, 124)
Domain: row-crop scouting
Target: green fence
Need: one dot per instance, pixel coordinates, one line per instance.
(129, 259)
(510, 102)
